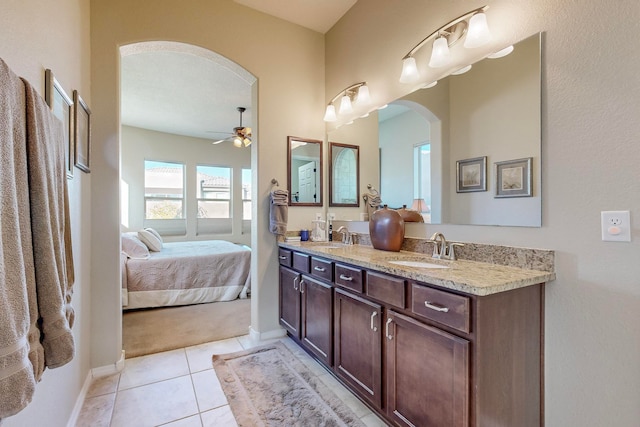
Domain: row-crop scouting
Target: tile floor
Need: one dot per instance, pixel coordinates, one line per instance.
(179, 388)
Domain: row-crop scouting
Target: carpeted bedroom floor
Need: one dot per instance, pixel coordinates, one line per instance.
(148, 331)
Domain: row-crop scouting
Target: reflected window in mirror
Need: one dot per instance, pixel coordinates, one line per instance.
(304, 171)
(422, 180)
(344, 175)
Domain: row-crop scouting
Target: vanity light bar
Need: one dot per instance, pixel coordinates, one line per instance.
(357, 93)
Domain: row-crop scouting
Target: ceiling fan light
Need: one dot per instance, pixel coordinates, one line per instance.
(409, 71)
(330, 114)
(246, 142)
(237, 141)
(478, 33)
(440, 53)
(364, 98)
(345, 105)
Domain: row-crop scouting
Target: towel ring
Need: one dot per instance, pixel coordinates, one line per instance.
(275, 182)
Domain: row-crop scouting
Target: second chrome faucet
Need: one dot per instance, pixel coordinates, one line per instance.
(443, 249)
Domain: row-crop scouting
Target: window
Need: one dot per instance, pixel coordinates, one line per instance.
(422, 172)
(246, 194)
(214, 191)
(163, 190)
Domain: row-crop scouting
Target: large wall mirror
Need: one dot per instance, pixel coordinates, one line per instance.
(304, 171)
(494, 111)
(344, 175)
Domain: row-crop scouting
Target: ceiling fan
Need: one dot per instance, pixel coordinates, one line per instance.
(241, 136)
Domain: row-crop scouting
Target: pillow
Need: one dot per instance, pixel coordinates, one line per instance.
(155, 233)
(132, 247)
(153, 243)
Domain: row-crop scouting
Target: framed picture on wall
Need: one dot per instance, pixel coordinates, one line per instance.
(82, 121)
(472, 175)
(513, 178)
(63, 108)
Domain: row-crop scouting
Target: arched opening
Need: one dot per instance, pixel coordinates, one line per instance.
(182, 176)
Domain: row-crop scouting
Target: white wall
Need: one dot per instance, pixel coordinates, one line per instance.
(36, 35)
(590, 155)
(139, 145)
(288, 99)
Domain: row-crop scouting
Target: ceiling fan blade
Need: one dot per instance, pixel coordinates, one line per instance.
(218, 141)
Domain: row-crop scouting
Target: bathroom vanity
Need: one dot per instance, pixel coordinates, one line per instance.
(459, 343)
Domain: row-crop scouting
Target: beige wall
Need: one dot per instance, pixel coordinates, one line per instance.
(36, 35)
(288, 62)
(590, 159)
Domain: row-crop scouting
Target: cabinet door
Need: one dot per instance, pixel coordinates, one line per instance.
(357, 341)
(317, 318)
(290, 301)
(427, 374)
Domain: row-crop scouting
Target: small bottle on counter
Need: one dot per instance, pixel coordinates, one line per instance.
(330, 231)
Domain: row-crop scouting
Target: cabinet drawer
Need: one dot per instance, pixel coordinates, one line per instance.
(301, 262)
(322, 268)
(389, 290)
(443, 307)
(349, 277)
(284, 256)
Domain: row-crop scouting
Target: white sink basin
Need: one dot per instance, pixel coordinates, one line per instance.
(418, 264)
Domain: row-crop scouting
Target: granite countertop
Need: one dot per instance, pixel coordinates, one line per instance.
(472, 277)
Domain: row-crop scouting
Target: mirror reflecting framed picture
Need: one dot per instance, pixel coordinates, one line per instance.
(344, 175)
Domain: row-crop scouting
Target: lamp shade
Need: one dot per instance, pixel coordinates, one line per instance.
(462, 70)
(330, 114)
(502, 52)
(363, 96)
(237, 141)
(345, 105)
(478, 33)
(440, 53)
(420, 205)
(409, 71)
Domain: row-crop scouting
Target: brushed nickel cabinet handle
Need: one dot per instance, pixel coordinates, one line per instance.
(302, 282)
(436, 307)
(295, 283)
(374, 328)
(282, 257)
(321, 269)
(386, 332)
(347, 278)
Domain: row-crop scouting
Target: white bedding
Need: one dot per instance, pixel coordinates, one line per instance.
(187, 273)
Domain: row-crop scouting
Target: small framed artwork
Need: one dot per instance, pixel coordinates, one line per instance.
(472, 175)
(513, 178)
(82, 120)
(62, 107)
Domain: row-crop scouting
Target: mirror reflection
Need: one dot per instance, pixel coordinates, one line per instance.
(494, 111)
(304, 164)
(344, 175)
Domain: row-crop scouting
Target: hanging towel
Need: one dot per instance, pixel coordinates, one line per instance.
(21, 354)
(278, 213)
(372, 201)
(50, 227)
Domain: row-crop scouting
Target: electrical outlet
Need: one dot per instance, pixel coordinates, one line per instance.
(319, 216)
(331, 216)
(616, 226)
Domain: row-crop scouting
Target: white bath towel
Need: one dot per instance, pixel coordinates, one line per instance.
(50, 227)
(21, 355)
(278, 213)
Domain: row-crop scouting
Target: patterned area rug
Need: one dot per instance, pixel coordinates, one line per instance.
(270, 386)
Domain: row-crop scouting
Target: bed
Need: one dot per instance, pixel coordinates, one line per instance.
(182, 273)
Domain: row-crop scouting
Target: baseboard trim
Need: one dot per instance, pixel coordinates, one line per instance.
(73, 418)
(269, 335)
(115, 368)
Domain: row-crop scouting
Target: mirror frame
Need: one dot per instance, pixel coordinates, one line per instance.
(290, 140)
(357, 151)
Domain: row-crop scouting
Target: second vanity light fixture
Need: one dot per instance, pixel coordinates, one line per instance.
(358, 93)
(472, 24)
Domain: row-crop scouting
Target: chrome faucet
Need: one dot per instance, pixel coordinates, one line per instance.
(439, 245)
(347, 237)
(443, 249)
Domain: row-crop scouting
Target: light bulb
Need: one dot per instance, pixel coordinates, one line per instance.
(409, 71)
(461, 70)
(363, 96)
(237, 141)
(330, 114)
(503, 52)
(440, 53)
(478, 33)
(429, 85)
(345, 105)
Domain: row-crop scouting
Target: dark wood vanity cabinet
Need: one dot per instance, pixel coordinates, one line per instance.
(358, 345)
(417, 354)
